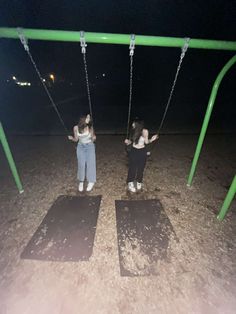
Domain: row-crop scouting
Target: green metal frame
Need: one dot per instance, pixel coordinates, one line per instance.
(228, 199)
(10, 159)
(121, 39)
(124, 39)
(211, 103)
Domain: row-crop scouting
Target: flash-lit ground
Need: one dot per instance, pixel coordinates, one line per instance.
(200, 276)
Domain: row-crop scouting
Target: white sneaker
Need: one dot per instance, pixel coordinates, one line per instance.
(131, 187)
(139, 186)
(81, 186)
(90, 186)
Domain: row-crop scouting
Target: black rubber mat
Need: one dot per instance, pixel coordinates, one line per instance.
(144, 233)
(67, 231)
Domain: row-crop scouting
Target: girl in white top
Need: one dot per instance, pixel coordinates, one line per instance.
(85, 136)
(137, 154)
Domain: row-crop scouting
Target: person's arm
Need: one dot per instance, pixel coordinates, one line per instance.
(74, 138)
(145, 136)
(93, 135)
(152, 139)
(127, 141)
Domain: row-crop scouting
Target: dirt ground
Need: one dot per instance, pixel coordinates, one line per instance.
(199, 278)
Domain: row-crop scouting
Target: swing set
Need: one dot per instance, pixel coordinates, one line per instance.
(123, 39)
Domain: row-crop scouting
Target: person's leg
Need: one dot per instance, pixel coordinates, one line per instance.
(141, 163)
(132, 169)
(132, 166)
(91, 165)
(81, 164)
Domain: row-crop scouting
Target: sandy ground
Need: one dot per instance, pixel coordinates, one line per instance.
(199, 278)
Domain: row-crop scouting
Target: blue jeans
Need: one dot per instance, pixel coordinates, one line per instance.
(86, 162)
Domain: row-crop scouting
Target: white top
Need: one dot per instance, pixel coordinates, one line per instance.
(141, 141)
(85, 138)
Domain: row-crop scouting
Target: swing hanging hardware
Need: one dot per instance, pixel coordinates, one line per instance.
(183, 52)
(182, 55)
(132, 45)
(131, 53)
(82, 42)
(83, 46)
(23, 39)
(24, 42)
(185, 46)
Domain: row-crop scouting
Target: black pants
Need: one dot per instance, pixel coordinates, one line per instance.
(137, 162)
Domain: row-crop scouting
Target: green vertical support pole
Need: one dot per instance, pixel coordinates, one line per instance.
(208, 115)
(229, 197)
(10, 159)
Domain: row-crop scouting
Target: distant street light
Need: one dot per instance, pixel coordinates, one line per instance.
(52, 77)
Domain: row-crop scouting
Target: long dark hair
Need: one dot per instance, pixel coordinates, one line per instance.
(82, 123)
(137, 131)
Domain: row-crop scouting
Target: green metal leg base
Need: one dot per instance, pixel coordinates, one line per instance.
(10, 159)
(229, 197)
(210, 106)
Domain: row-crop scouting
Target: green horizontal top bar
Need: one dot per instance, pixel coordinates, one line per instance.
(123, 39)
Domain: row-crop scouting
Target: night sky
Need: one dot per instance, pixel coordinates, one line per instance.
(27, 110)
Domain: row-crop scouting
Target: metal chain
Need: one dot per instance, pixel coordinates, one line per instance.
(131, 53)
(183, 51)
(83, 50)
(26, 47)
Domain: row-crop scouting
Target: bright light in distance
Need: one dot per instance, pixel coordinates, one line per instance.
(23, 83)
(52, 77)
(44, 80)
(20, 83)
